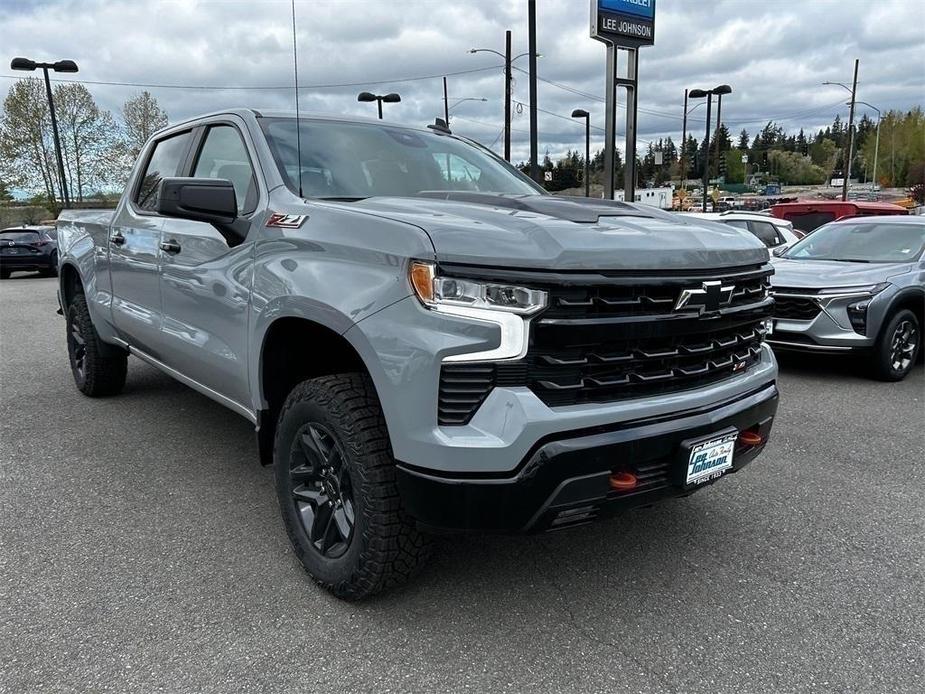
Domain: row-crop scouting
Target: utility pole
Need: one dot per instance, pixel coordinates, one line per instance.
(850, 157)
(507, 95)
(534, 165)
(684, 146)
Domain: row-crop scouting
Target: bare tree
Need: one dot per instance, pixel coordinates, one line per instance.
(142, 116)
(27, 156)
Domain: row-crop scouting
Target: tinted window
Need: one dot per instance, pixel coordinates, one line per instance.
(867, 242)
(165, 161)
(740, 223)
(20, 236)
(767, 232)
(224, 156)
(807, 221)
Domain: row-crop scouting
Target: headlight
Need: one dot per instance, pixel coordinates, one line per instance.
(436, 291)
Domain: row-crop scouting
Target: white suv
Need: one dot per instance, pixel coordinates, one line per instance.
(774, 233)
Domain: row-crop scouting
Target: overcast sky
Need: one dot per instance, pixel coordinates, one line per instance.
(774, 53)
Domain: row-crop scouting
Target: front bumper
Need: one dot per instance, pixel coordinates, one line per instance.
(564, 478)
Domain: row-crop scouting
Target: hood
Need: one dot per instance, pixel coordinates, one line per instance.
(812, 274)
(563, 233)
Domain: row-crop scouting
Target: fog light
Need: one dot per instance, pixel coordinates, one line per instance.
(623, 481)
(857, 314)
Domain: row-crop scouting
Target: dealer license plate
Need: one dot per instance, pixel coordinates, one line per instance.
(710, 459)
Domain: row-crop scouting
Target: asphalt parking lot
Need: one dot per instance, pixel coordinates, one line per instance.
(141, 549)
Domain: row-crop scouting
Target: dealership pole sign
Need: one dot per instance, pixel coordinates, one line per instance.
(628, 23)
(625, 26)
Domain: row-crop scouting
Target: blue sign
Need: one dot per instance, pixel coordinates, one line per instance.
(638, 8)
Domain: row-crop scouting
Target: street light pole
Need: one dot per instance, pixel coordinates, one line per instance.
(581, 113)
(507, 95)
(446, 105)
(534, 147)
(391, 98)
(706, 150)
(59, 66)
(847, 172)
(684, 146)
(54, 130)
(719, 124)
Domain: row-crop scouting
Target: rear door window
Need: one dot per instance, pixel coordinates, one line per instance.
(165, 161)
(807, 221)
(767, 232)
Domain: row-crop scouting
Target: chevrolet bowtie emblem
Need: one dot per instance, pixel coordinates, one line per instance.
(708, 298)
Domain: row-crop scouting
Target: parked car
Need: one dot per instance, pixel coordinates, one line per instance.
(808, 215)
(773, 232)
(29, 248)
(423, 338)
(855, 286)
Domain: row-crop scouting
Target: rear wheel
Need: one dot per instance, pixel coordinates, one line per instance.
(336, 485)
(52, 270)
(99, 369)
(898, 347)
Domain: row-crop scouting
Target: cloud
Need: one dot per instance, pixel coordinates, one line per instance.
(775, 55)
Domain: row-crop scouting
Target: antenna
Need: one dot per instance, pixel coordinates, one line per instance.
(298, 129)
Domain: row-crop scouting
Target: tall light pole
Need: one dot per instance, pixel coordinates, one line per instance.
(708, 93)
(581, 113)
(534, 146)
(877, 141)
(684, 147)
(391, 98)
(854, 90)
(59, 66)
(508, 94)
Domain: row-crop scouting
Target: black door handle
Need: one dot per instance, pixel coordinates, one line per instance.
(117, 238)
(170, 246)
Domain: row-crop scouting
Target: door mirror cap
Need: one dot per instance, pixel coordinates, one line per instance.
(780, 250)
(209, 200)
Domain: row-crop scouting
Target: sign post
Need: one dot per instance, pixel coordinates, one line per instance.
(624, 26)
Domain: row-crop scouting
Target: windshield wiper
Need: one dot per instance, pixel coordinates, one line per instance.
(342, 198)
(849, 260)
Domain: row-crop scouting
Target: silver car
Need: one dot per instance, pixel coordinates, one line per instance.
(856, 285)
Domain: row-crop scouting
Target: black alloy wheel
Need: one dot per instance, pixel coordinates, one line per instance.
(322, 490)
(903, 345)
(77, 348)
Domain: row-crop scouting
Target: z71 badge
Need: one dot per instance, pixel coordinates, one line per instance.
(286, 221)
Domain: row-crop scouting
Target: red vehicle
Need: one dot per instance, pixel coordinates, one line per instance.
(808, 215)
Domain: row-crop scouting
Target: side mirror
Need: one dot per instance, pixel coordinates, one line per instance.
(209, 200)
(779, 251)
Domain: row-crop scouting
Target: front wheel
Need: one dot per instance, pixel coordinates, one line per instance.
(897, 347)
(337, 491)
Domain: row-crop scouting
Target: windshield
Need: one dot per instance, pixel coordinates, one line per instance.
(359, 160)
(864, 242)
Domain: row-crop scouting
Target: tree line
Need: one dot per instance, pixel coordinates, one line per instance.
(771, 154)
(98, 149)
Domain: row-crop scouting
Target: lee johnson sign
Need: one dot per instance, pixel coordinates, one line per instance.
(623, 22)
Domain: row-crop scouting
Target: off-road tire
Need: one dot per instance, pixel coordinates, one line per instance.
(882, 355)
(99, 369)
(384, 548)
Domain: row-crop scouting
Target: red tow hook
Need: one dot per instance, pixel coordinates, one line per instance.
(623, 481)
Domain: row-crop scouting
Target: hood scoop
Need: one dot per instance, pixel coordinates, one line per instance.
(568, 208)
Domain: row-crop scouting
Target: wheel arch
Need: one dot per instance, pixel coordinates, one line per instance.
(911, 298)
(295, 347)
(69, 282)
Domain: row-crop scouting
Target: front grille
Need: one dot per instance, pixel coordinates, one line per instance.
(607, 338)
(795, 307)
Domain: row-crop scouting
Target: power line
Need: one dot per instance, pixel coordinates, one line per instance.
(281, 87)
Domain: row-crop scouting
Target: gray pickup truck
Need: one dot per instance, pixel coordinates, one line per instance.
(423, 338)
